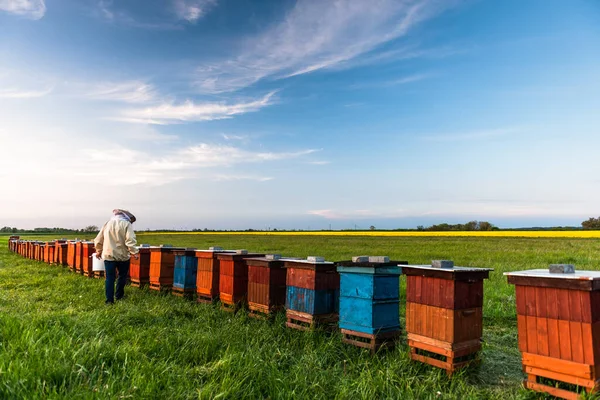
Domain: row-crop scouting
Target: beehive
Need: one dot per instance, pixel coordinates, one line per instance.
(369, 314)
(71, 254)
(558, 321)
(207, 278)
(444, 313)
(184, 276)
(60, 252)
(41, 247)
(162, 266)
(78, 257)
(312, 295)
(139, 270)
(87, 249)
(233, 278)
(266, 285)
(49, 252)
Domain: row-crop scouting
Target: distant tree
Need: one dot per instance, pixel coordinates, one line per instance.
(486, 226)
(420, 228)
(372, 227)
(90, 229)
(592, 223)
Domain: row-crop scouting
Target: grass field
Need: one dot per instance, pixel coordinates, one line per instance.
(58, 339)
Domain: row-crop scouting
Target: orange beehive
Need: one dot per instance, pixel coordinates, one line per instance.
(444, 313)
(233, 278)
(39, 255)
(558, 320)
(60, 252)
(162, 267)
(207, 278)
(87, 249)
(71, 254)
(49, 252)
(139, 270)
(79, 257)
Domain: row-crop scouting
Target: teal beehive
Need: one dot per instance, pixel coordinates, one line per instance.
(369, 309)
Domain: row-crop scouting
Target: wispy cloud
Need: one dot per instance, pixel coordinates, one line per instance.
(192, 10)
(32, 9)
(234, 137)
(155, 16)
(226, 178)
(392, 82)
(473, 135)
(205, 154)
(14, 93)
(170, 113)
(356, 214)
(315, 35)
(128, 92)
(318, 162)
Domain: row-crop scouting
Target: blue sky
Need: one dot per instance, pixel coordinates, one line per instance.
(299, 114)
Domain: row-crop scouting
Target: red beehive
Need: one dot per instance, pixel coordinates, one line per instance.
(558, 320)
(87, 249)
(233, 278)
(139, 270)
(60, 252)
(41, 247)
(207, 278)
(312, 295)
(162, 266)
(31, 250)
(266, 285)
(444, 313)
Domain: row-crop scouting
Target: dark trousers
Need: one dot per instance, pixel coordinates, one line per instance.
(110, 271)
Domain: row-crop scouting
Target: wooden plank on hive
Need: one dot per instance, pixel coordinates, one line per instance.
(553, 338)
(542, 335)
(553, 391)
(557, 365)
(522, 332)
(564, 335)
(576, 342)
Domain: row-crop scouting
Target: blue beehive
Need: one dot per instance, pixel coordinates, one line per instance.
(370, 295)
(186, 268)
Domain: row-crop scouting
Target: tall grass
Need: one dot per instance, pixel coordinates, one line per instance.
(59, 340)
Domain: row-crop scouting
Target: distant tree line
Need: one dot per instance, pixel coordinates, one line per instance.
(592, 223)
(469, 226)
(87, 229)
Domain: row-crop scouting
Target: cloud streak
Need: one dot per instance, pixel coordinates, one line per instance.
(189, 111)
(32, 9)
(316, 35)
(128, 92)
(23, 94)
(192, 10)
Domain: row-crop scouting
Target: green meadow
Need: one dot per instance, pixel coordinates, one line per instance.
(59, 340)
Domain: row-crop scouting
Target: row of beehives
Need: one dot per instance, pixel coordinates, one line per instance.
(558, 310)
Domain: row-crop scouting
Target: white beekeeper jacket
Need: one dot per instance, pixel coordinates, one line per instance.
(116, 240)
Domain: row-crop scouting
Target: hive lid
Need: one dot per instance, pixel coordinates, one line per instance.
(545, 273)
(454, 269)
(309, 260)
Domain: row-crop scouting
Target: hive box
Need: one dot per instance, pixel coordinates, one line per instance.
(369, 311)
(49, 252)
(444, 314)
(87, 249)
(312, 295)
(266, 285)
(139, 270)
(162, 267)
(207, 278)
(233, 278)
(184, 276)
(71, 254)
(60, 252)
(558, 320)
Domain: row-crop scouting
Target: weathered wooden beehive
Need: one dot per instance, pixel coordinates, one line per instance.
(266, 285)
(444, 313)
(208, 273)
(233, 278)
(162, 267)
(139, 270)
(87, 249)
(312, 296)
(41, 247)
(369, 314)
(558, 320)
(78, 257)
(184, 275)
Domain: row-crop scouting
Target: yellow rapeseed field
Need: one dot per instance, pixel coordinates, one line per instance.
(533, 234)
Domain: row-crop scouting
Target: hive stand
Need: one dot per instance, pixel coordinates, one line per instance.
(558, 320)
(233, 279)
(312, 295)
(370, 302)
(184, 276)
(444, 314)
(266, 286)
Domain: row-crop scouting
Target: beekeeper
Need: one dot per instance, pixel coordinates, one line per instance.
(115, 244)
